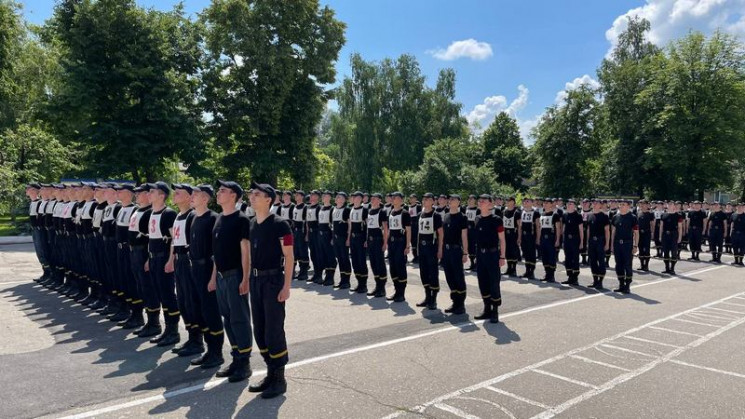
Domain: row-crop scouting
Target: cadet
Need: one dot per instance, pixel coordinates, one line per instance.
(124, 264)
(624, 239)
(415, 209)
(285, 210)
(140, 255)
(108, 232)
(85, 213)
(33, 191)
(471, 212)
(200, 253)
(512, 219)
(574, 238)
(429, 242)
(388, 203)
(728, 211)
(180, 265)
(598, 243)
(357, 238)
(646, 232)
(399, 225)
(366, 200)
(548, 241)
(454, 255)
(271, 240)
(160, 234)
(313, 238)
(300, 235)
(586, 211)
(325, 239)
(340, 228)
(529, 229)
(377, 243)
(658, 211)
(137, 243)
(671, 232)
(491, 257)
(99, 192)
(276, 205)
(696, 226)
(442, 205)
(737, 232)
(230, 277)
(716, 225)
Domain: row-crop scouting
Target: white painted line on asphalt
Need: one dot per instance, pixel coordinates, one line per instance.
(592, 361)
(490, 382)
(563, 378)
(214, 382)
(516, 397)
(705, 316)
(455, 411)
(651, 341)
(631, 351)
(497, 405)
(734, 374)
(727, 311)
(675, 331)
(692, 322)
(732, 304)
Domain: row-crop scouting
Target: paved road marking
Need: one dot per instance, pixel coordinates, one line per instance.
(692, 322)
(593, 361)
(455, 411)
(675, 331)
(217, 381)
(727, 311)
(734, 374)
(548, 413)
(733, 304)
(563, 378)
(631, 351)
(651, 341)
(515, 396)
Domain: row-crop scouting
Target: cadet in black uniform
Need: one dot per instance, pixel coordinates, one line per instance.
(728, 211)
(300, 234)
(124, 273)
(200, 253)
(671, 231)
(366, 200)
(148, 287)
(285, 210)
(137, 256)
(491, 257)
(696, 226)
(646, 232)
(180, 265)
(357, 238)
(311, 218)
(271, 240)
(340, 227)
(471, 212)
(599, 241)
(97, 255)
(429, 243)
(586, 211)
(399, 225)
(574, 238)
(230, 277)
(442, 205)
(454, 254)
(624, 239)
(377, 243)
(529, 229)
(160, 234)
(108, 231)
(551, 228)
(326, 240)
(415, 208)
(737, 232)
(512, 218)
(716, 226)
(33, 191)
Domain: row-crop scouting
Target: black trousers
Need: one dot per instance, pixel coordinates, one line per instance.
(359, 255)
(209, 311)
(738, 243)
(548, 250)
(341, 251)
(414, 234)
(326, 256)
(716, 241)
(100, 256)
(300, 247)
(694, 238)
(165, 286)
(111, 282)
(596, 254)
(645, 245)
(137, 258)
(188, 301)
(622, 251)
(148, 289)
(527, 245)
(452, 264)
(489, 275)
(377, 259)
(428, 268)
(670, 246)
(269, 319)
(512, 250)
(125, 278)
(235, 313)
(471, 241)
(397, 260)
(314, 251)
(571, 254)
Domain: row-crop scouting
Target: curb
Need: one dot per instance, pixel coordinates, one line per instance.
(16, 240)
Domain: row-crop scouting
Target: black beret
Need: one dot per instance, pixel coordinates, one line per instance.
(377, 195)
(266, 188)
(300, 191)
(485, 196)
(357, 193)
(125, 187)
(162, 186)
(315, 192)
(233, 186)
(455, 196)
(184, 186)
(413, 195)
(341, 193)
(206, 188)
(33, 185)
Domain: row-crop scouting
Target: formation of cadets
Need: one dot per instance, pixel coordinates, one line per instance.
(121, 251)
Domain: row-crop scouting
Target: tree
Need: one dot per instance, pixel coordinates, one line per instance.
(130, 84)
(565, 141)
(504, 148)
(268, 63)
(11, 38)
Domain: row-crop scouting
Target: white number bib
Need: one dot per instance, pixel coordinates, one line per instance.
(338, 215)
(324, 216)
(179, 233)
(509, 222)
(527, 217)
(124, 217)
(471, 214)
(297, 215)
(394, 221)
(373, 220)
(311, 214)
(153, 229)
(356, 215)
(284, 212)
(546, 221)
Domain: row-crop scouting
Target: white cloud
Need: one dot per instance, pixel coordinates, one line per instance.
(527, 125)
(483, 113)
(467, 48)
(571, 85)
(671, 19)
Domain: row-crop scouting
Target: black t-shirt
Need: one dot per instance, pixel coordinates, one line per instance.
(487, 231)
(597, 222)
(227, 235)
(429, 223)
(267, 239)
(200, 235)
(572, 223)
(738, 223)
(716, 220)
(696, 219)
(339, 218)
(548, 222)
(645, 222)
(375, 220)
(452, 226)
(122, 223)
(670, 221)
(397, 222)
(624, 226)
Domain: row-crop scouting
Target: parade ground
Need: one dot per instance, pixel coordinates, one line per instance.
(671, 349)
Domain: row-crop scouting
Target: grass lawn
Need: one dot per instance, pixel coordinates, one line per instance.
(6, 227)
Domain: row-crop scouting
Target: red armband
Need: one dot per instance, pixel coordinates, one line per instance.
(288, 240)
(500, 229)
(636, 227)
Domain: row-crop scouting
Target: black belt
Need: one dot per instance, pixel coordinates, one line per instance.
(230, 272)
(200, 261)
(355, 235)
(452, 246)
(134, 247)
(427, 242)
(157, 255)
(265, 272)
(107, 239)
(489, 250)
(180, 250)
(394, 238)
(122, 245)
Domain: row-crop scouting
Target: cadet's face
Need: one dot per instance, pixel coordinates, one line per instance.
(286, 199)
(357, 201)
(527, 203)
(299, 198)
(398, 201)
(181, 197)
(572, 207)
(259, 200)
(225, 196)
(375, 201)
(314, 199)
(327, 200)
(412, 200)
(454, 203)
(441, 202)
(124, 195)
(340, 200)
(471, 202)
(428, 202)
(696, 207)
(484, 204)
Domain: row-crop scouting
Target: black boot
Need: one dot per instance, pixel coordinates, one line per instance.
(135, 320)
(494, 318)
(277, 386)
(550, 275)
(329, 278)
(572, 280)
(121, 315)
(228, 370)
(472, 267)
(531, 272)
(487, 311)
(344, 282)
(195, 344)
(672, 267)
(459, 304)
(213, 357)
(152, 327)
(264, 384)
(432, 300)
(627, 286)
(241, 372)
(621, 285)
(667, 267)
(424, 302)
(361, 284)
(170, 336)
(399, 294)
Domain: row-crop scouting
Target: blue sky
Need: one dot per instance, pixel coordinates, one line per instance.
(515, 56)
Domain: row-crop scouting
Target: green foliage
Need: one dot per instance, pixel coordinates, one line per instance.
(504, 148)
